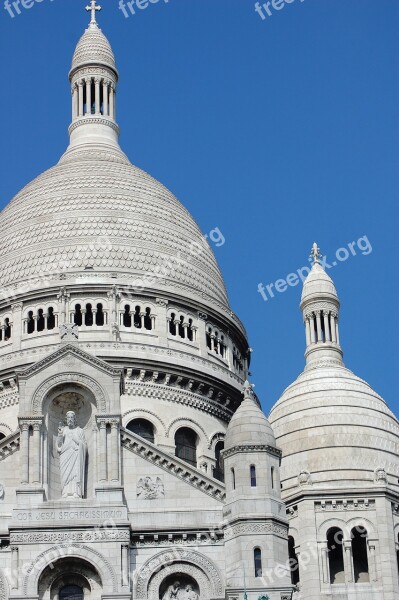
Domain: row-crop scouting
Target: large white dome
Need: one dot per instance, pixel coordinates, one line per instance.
(94, 210)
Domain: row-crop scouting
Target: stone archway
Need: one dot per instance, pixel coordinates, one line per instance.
(69, 572)
(181, 563)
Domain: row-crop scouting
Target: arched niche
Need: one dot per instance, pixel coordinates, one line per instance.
(58, 401)
(181, 583)
(67, 573)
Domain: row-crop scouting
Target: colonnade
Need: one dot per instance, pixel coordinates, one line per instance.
(322, 326)
(93, 96)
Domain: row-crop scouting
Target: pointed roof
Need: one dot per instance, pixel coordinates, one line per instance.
(249, 425)
(93, 48)
(318, 284)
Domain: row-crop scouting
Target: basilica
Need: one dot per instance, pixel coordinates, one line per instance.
(136, 462)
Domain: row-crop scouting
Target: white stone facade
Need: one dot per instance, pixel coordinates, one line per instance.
(113, 307)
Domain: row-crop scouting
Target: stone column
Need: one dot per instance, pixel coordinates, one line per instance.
(75, 106)
(16, 325)
(324, 562)
(114, 450)
(112, 102)
(24, 426)
(102, 455)
(318, 322)
(326, 326)
(312, 329)
(202, 319)
(105, 98)
(88, 96)
(14, 567)
(308, 335)
(333, 328)
(337, 328)
(125, 565)
(36, 452)
(97, 96)
(80, 101)
(372, 557)
(348, 561)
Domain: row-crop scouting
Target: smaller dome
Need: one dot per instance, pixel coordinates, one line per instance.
(93, 48)
(249, 425)
(318, 284)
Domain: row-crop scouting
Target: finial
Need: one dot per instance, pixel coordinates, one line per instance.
(93, 8)
(315, 254)
(248, 390)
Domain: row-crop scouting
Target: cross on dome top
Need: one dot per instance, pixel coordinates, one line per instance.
(93, 8)
(315, 254)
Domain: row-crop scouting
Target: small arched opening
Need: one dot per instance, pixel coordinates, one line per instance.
(143, 428)
(179, 585)
(186, 441)
(258, 562)
(336, 555)
(293, 558)
(218, 471)
(359, 554)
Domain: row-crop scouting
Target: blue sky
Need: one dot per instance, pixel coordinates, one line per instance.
(279, 132)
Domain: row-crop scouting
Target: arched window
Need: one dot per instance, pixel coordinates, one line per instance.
(294, 564)
(50, 318)
(40, 320)
(30, 323)
(143, 428)
(218, 471)
(71, 592)
(147, 319)
(89, 317)
(359, 553)
(181, 328)
(209, 338)
(100, 318)
(336, 555)
(190, 333)
(77, 317)
(186, 445)
(272, 477)
(127, 317)
(253, 475)
(233, 479)
(137, 317)
(7, 330)
(172, 324)
(2, 436)
(258, 562)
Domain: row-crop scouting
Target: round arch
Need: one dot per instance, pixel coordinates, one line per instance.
(62, 552)
(142, 413)
(40, 395)
(188, 562)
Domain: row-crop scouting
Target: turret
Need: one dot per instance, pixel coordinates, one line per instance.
(256, 525)
(320, 309)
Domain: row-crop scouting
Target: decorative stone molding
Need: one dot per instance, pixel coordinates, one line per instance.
(174, 561)
(10, 445)
(304, 479)
(252, 448)
(142, 413)
(69, 332)
(4, 587)
(58, 537)
(380, 476)
(272, 527)
(336, 505)
(172, 465)
(150, 488)
(203, 538)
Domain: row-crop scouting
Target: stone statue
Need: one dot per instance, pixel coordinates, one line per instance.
(72, 448)
(172, 591)
(176, 591)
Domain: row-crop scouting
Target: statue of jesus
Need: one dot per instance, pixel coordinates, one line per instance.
(72, 448)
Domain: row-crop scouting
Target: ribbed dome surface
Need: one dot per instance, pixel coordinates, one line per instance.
(332, 424)
(317, 284)
(95, 210)
(93, 48)
(249, 426)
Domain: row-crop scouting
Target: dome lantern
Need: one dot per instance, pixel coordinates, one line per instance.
(320, 308)
(93, 77)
